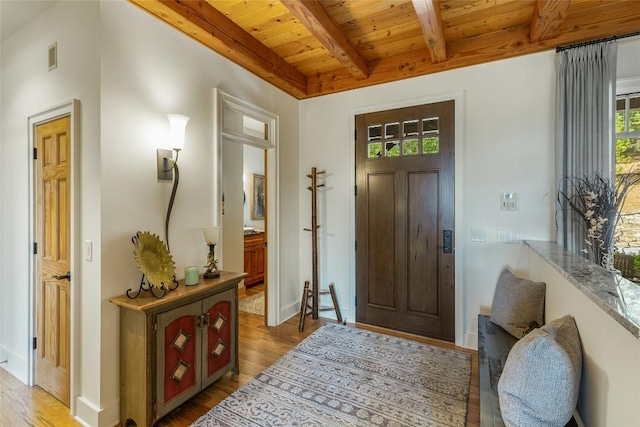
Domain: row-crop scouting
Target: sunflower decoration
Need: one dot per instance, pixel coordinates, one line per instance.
(153, 259)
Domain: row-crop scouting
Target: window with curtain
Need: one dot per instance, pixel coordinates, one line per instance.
(627, 120)
(585, 105)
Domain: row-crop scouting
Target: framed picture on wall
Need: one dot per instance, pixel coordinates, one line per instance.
(257, 196)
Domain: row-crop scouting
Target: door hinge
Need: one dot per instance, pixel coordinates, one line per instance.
(35, 343)
(155, 327)
(355, 134)
(35, 153)
(356, 298)
(35, 248)
(356, 245)
(266, 244)
(355, 190)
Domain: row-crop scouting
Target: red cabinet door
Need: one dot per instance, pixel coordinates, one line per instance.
(178, 358)
(219, 346)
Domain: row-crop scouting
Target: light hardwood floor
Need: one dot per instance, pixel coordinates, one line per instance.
(260, 346)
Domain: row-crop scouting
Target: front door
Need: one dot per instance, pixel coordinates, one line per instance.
(405, 219)
(53, 237)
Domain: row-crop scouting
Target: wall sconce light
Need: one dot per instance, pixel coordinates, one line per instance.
(167, 164)
(212, 237)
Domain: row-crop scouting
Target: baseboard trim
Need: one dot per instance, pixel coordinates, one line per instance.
(15, 365)
(90, 415)
(471, 340)
(289, 311)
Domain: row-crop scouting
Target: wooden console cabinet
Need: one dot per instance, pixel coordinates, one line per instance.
(254, 258)
(173, 347)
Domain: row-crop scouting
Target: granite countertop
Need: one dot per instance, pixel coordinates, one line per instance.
(251, 230)
(614, 294)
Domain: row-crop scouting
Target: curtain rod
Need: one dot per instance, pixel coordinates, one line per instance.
(608, 39)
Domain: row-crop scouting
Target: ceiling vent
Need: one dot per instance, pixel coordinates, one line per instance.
(53, 56)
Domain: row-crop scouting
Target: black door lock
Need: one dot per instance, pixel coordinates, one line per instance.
(446, 241)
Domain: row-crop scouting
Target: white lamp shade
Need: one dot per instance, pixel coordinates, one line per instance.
(211, 235)
(177, 126)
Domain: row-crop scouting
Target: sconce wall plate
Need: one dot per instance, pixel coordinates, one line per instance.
(165, 171)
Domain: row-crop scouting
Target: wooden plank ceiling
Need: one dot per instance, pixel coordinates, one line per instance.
(310, 48)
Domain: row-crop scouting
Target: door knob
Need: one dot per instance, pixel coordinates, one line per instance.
(66, 276)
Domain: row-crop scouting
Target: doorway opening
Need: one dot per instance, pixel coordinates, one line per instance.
(254, 230)
(245, 148)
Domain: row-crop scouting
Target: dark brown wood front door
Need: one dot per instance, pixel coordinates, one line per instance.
(404, 212)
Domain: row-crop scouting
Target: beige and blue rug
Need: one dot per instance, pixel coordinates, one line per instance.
(343, 376)
(253, 304)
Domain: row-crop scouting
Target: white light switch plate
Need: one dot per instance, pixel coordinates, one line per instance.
(508, 201)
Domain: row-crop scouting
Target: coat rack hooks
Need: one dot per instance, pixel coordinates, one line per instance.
(310, 304)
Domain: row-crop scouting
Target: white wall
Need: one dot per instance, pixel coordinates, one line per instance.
(507, 137)
(628, 57)
(148, 70)
(29, 88)
(128, 70)
(508, 145)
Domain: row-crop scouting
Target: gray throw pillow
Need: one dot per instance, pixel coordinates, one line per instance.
(540, 381)
(516, 303)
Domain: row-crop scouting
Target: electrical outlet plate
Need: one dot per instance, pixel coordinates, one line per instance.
(508, 236)
(478, 235)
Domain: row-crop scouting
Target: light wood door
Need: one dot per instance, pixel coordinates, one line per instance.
(53, 254)
(405, 219)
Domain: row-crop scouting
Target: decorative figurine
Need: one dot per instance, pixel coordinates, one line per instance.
(211, 236)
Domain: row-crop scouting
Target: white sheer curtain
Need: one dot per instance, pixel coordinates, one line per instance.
(585, 140)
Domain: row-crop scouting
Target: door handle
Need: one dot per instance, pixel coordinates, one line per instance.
(66, 276)
(446, 241)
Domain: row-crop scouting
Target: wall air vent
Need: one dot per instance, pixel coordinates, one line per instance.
(53, 56)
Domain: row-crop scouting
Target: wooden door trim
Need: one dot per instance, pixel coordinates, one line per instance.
(69, 108)
(461, 338)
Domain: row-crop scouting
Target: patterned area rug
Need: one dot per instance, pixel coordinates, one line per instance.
(343, 376)
(253, 304)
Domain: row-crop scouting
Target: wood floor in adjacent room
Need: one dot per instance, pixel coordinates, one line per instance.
(259, 347)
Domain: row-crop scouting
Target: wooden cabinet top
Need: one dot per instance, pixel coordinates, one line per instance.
(182, 295)
(254, 239)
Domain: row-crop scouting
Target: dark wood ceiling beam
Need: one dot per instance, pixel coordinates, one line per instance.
(613, 20)
(315, 18)
(206, 24)
(548, 16)
(428, 12)
(199, 21)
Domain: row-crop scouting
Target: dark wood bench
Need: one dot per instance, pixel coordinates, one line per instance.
(494, 344)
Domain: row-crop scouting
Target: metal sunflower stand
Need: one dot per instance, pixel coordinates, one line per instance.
(145, 285)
